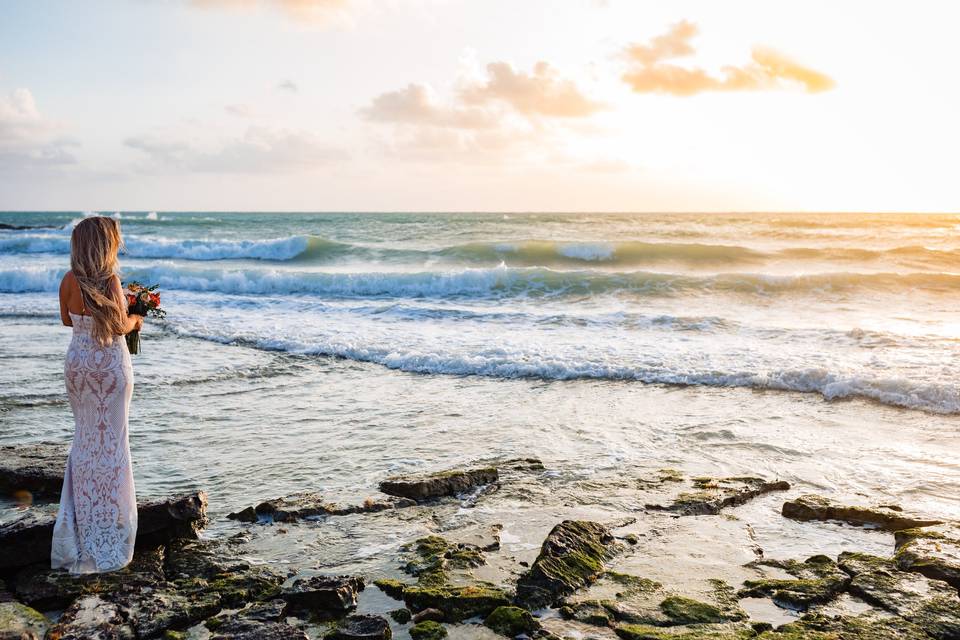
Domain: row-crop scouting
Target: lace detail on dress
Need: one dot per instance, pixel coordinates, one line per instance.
(97, 522)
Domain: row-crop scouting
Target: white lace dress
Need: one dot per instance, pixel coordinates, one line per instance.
(97, 522)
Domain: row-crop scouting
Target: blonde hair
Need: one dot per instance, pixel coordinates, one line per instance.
(94, 245)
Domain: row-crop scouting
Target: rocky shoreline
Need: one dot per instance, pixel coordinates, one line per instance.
(458, 582)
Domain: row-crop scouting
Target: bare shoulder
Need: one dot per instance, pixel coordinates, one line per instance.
(68, 279)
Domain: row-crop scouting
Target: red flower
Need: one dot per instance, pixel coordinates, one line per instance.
(155, 299)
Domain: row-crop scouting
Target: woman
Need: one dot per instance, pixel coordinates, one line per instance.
(97, 522)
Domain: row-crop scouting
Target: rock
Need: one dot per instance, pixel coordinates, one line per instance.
(456, 602)
(931, 604)
(335, 594)
(818, 580)
(512, 621)
(726, 631)
(34, 468)
(40, 586)
(572, 556)
(934, 553)
(26, 541)
(20, 622)
(92, 618)
(428, 630)
(434, 556)
(208, 566)
(428, 614)
(864, 627)
(402, 616)
(814, 507)
(361, 627)
(437, 485)
(152, 611)
(246, 629)
(709, 495)
(300, 506)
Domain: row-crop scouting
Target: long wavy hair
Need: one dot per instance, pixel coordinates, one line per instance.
(94, 245)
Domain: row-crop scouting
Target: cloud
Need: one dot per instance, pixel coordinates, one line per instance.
(502, 115)
(27, 138)
(542, 92)
(288, 85)
(767, 70)
(240, 110)
(318, 12)
(417, 104)
(259, 150)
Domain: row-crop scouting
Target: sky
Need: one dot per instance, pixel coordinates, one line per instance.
(479, 105)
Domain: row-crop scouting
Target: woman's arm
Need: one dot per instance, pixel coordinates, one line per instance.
(132, 322)
(64, 297)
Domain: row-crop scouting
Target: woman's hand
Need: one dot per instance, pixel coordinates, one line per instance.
(137, 322)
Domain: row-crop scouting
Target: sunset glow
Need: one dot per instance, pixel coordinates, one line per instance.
(443, 104)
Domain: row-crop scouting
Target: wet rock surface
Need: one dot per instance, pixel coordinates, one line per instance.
(306, 505)
(888, 518)
(26, 540)
(572, 556)
(464, 573)
(35, 469)
(438, 485)
(335, 594)
(708, 496)
(934, 553)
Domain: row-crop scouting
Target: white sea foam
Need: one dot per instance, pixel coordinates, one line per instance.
(587, 251)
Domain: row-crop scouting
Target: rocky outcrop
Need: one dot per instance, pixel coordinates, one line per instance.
(27, 540)
(931, 604)
(888, 518)
(20, 622)
(361, 627)
(92, 618)
(301, 506)
(934, 553)
(323, 594)
(438, 485)
(817, 580)
(708, 496)
(34, 470)
(572, 556)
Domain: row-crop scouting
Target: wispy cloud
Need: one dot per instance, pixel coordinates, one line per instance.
(767, 69)
(288, 85)
(259, 150)
(542, 92)
(28, 139)
(502, 114)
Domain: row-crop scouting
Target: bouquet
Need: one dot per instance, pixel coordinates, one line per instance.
(143, 301)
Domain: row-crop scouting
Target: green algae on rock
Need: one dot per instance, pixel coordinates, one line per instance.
(934, 553)
(512, 621)
(868, 626)
(22, 622)
(727, 631)
(710, 495)
(818, 580)
(814, 507)
(572, 556)
(931, 604)
(428, 630)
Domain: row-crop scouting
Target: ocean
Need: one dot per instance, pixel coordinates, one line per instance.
(327, 351)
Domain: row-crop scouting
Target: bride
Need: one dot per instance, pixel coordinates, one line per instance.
(97, 522)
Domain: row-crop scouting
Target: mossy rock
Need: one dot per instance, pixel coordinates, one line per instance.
(457, 603)
(512, 621)
(711, 495)
(865, 627)
(683, 610)
(402, 615)
(572, 556)
(428, 630)
(818, 580)
(393, 588)
(20, 621)
(933, 553)
(814, 507)
(729, 631)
